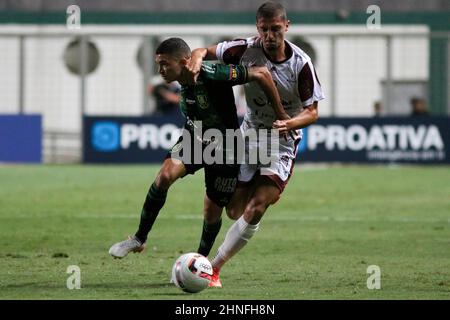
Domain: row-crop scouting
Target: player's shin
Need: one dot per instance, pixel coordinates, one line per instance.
(153, 203)
(209, 234)
(236, 238)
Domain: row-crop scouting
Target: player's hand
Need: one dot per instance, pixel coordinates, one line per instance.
(282, 126)
(193, 67)
(284, 129)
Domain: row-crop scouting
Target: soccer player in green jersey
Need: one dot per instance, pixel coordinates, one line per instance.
(210, 102)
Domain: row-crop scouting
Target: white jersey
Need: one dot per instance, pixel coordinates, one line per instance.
(295, 78)
(298, 86)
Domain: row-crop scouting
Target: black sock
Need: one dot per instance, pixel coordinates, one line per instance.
(209, 235)
(153, 203)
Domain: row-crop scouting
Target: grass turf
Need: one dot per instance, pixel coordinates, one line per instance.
(315, 243)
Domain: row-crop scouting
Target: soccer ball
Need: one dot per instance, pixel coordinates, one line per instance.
(192, 272)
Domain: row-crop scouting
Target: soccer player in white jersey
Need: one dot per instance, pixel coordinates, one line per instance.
(300, 91)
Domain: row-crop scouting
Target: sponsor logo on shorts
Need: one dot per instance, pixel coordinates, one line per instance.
(285, 160)
(225, 184)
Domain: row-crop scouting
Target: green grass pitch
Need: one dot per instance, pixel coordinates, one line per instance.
(315, 243)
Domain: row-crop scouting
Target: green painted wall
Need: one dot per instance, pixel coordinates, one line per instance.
(436, 21)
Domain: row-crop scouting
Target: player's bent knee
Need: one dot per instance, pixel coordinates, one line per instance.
(233, 213)
(211, 217)
(212, 212)
(165, 179)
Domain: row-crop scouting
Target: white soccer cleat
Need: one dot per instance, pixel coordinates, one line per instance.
(121, 249)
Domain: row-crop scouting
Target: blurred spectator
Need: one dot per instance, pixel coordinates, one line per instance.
(378, 109)
(418, 107)
(167, 97)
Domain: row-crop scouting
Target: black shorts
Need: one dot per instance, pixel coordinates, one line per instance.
(220, 179)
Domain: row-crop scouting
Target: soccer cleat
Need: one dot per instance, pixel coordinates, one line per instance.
(215, 280)
(121, 249)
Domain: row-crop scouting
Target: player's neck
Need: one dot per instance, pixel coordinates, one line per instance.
(183, 76)
(182, 80)
(277, 55)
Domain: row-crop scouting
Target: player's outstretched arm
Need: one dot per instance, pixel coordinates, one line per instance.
(265, 81)
(309, 115)
(195, 63)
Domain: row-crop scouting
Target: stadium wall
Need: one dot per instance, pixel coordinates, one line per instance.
(434, 21)
(117, 86)
(218, 5)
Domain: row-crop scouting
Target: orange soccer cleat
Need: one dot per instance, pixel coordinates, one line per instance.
(215, 280)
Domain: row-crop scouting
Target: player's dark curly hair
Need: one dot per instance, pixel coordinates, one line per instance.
(175, 47)
(271, 9)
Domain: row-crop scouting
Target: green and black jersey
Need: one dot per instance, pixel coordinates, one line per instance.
(211, 99)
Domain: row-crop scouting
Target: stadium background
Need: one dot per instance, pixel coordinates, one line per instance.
(407, 57)
(56, 81)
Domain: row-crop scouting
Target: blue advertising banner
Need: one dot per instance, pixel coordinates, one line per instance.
(21, 138)
(421, 140)
(129, 139)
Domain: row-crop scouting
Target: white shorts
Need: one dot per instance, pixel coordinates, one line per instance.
(281, 164)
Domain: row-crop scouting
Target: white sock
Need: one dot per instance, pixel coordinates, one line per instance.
(236, 238)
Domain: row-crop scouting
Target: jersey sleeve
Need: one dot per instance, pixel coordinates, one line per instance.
(231, 52)
(233, 74)
(309, 87)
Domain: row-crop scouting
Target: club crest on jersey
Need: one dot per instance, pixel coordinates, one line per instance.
(202, 101)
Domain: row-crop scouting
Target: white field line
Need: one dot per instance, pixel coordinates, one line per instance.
(268, 217)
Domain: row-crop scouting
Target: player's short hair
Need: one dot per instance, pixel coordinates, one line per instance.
(176, 47)
(271, 9)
